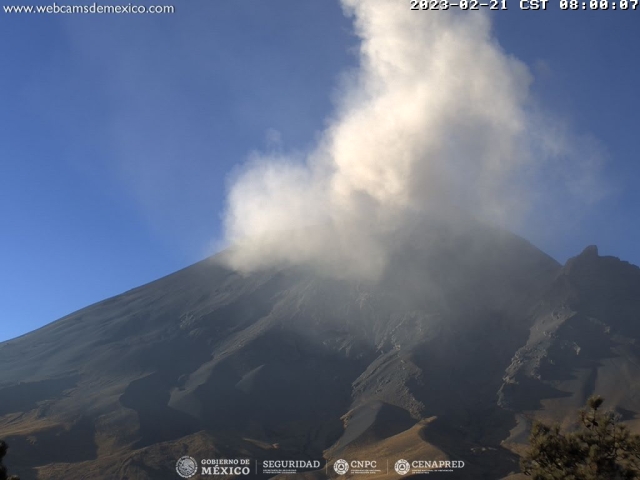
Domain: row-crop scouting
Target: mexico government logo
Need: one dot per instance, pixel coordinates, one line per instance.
(186, 466)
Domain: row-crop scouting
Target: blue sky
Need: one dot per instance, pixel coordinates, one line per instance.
(118, 133)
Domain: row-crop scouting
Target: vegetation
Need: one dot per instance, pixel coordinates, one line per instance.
(3, 470)
(600, 449)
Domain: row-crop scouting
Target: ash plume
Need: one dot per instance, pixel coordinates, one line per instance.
(436, 117)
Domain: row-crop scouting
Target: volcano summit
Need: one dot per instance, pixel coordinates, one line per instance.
(469, 333)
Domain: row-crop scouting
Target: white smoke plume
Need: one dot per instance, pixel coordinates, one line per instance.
(436, 115)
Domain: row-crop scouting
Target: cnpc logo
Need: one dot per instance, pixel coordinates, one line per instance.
(341, 466)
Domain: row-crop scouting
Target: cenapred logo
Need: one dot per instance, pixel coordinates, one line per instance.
(186, 466)
(341, 466)
(402, 467)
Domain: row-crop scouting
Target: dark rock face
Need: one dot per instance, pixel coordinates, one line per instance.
(470, 325)
(583, 340)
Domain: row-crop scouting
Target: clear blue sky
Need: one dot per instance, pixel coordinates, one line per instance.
(117, 133)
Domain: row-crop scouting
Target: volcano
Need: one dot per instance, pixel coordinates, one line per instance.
(469, 334)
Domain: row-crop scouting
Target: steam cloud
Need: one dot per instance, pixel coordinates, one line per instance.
(437, 115)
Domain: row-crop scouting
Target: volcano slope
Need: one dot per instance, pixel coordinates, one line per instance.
(584, 339)
(470, 332)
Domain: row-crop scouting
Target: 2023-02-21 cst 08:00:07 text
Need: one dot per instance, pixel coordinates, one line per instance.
(523, 4)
